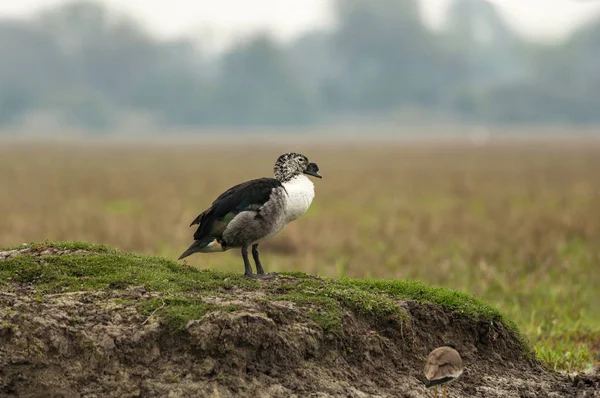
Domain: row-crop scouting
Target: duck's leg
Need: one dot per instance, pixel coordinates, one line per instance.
(259, 267)
(445, 391)
(248, 267)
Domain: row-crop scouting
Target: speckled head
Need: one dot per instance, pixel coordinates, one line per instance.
(290, 165)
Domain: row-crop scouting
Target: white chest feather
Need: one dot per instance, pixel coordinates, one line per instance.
(300, 193)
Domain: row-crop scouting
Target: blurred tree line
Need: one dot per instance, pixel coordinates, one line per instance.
(84, 66)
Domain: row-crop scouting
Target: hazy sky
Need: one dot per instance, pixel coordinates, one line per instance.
(224, 20)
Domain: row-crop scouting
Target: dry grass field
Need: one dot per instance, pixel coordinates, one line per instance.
(515, 223)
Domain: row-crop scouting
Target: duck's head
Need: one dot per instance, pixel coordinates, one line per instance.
(290, 165)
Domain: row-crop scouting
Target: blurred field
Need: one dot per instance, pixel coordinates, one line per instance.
(517, 224)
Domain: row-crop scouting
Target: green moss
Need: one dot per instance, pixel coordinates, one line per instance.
(376, 305)
(326, 300)
(414, 290)
(103, 268)
(176, 312)
(460, 302)
(106, 268)
(326, 312)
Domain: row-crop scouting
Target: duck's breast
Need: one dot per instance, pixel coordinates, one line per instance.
(300, 194)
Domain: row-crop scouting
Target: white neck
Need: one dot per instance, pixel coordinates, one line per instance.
(300, 191)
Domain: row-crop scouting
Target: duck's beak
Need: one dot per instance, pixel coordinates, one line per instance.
(313, 170)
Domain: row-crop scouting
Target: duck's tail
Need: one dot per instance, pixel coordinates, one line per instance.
(207, 244)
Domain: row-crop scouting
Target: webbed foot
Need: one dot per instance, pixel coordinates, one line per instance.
(260, 276)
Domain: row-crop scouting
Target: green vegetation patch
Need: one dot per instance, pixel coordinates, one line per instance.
(326, 300)
(326, 312)
(103, 268)
(460, 302)
(366, 297)
(177, 311)
(414, 290)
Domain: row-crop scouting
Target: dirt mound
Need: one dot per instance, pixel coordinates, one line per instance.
(292, 336)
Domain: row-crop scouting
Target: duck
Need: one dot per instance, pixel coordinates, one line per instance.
(257, 210)
(442, 365)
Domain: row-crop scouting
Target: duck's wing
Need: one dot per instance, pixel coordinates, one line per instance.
(250, 195)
